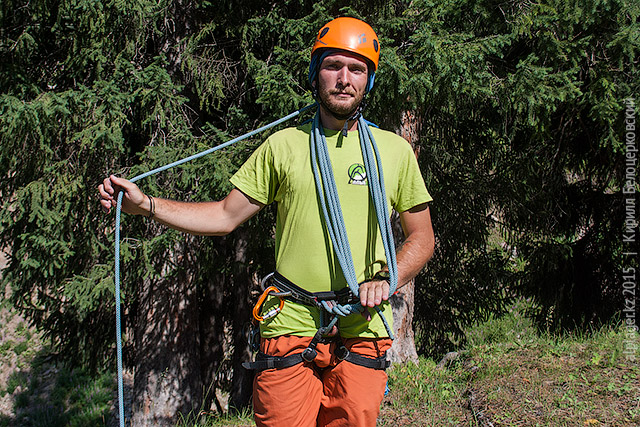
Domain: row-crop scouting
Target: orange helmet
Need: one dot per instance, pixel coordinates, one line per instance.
(352, 35)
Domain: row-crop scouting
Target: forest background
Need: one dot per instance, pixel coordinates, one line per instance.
(519, 112)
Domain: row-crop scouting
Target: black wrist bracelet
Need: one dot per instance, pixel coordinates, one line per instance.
(152, 207)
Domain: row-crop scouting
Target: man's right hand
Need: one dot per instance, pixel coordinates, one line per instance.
(133, 201)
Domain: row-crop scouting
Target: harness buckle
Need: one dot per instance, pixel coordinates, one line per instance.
(309, 354)
(341, 352)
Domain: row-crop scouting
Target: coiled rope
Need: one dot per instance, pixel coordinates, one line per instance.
(330, 204)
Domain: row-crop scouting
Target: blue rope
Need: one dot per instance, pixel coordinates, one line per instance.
(379, 195)
(117, 237)
(326, 187)
(332, 211)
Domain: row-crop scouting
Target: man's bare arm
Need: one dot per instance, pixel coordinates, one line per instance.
(411, 257)
(417, 249)
(206, 218)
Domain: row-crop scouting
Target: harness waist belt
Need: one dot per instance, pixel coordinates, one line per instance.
(343, 296)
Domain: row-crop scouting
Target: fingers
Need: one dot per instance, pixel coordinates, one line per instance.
(373, 293)
(106, 193)
(110, 188)
(333, 332)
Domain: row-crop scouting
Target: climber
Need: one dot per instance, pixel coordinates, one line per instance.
(343, 381)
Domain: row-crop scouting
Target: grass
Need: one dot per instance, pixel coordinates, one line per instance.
(41, 392)
(53, 396)
(205, 419)
(511, 375)
(508, 374)
(425, 395)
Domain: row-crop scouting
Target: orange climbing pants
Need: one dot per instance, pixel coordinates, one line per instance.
(327, 392)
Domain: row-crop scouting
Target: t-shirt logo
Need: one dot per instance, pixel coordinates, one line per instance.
(357, 174)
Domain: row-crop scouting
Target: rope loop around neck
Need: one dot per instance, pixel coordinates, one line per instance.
(332, 210)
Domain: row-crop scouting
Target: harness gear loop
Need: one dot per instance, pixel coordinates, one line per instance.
(271, 313)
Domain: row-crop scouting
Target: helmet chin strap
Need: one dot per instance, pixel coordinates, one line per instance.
(354, 115)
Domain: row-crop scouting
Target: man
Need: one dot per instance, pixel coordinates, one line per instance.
(327, 389)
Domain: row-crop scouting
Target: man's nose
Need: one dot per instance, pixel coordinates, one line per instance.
(343, 76)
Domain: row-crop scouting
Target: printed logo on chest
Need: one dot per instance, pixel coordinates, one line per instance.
(357, 174)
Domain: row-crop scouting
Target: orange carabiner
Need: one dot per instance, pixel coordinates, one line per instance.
(271, 313)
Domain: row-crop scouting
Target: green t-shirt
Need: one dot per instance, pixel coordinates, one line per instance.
(280, 171)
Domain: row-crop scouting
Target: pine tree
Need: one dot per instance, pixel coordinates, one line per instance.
(521, 110)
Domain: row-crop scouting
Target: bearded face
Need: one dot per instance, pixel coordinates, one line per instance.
(342, 80)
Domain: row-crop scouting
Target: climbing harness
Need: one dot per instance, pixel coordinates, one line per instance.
(329, 201)
(285, 289)
(117, 238)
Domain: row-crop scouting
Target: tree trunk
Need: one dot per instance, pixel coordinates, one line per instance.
(167, 379)
(242, 382)
(404, 345)
(213, 339)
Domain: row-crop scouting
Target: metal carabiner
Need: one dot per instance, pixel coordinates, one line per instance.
(271, 313)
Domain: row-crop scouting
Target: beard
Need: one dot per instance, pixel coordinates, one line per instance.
(340, 108)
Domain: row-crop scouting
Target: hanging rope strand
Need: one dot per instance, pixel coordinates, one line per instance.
(373, 166)
(328, 195)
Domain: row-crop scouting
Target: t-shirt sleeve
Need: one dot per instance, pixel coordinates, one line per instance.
(257, 177)
(412, 190)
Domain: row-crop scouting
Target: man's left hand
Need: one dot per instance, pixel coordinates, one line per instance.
(374, 292)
